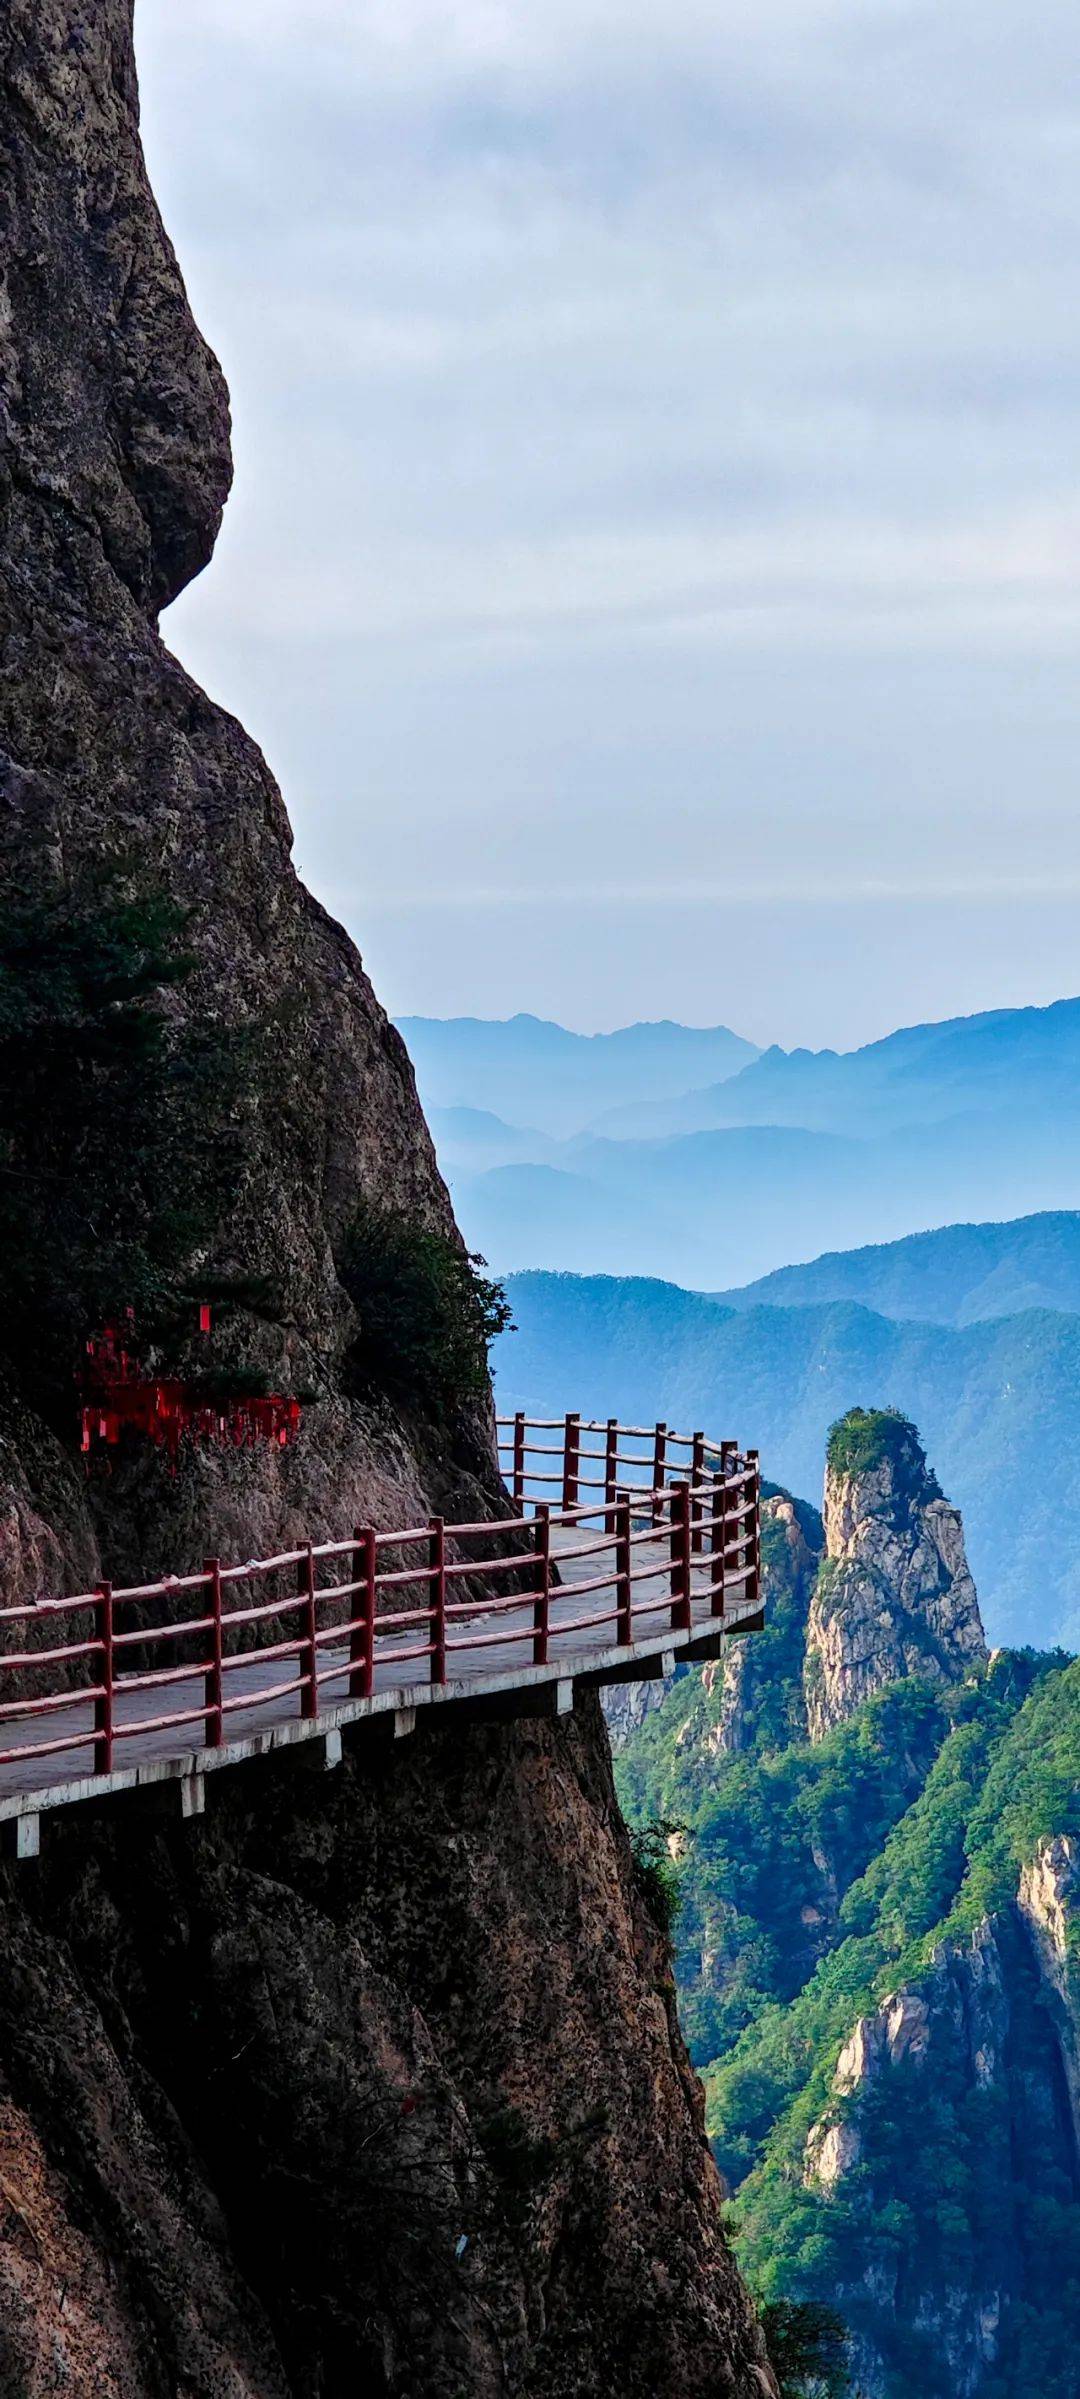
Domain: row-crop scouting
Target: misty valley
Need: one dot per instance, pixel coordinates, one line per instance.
(861, 1828)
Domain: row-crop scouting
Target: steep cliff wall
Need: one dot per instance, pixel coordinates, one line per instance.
(894, 1596)
(370, 2081)
(114, 466)
(759, 1681)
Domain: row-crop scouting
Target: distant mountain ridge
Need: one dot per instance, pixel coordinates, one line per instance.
(998, 1402)
(475, 1141)
(532, 1072)
(779, 1158)
(917, 1075)
(721, 1209)
(962, 1274)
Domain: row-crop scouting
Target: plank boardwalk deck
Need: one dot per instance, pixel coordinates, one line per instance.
(489, 1665)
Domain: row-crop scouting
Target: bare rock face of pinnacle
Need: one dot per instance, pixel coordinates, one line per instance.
(894, 1594)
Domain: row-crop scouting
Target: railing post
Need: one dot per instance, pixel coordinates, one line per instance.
(624, 1589)
(519, 1461)
(718, 1541)
(571, 1462)
(437, 1572)
(362, 1637)
(753, 1585)
(680, 1558)
(212, 1734)
(611, 1473)
(309, 1655)
(697, 1477)
(659, 1462)
(103, 1706)
(542, 1606)
(729, 1462)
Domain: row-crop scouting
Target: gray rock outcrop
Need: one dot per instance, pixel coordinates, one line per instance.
(626, 1706)
(894, 1595)
(745, 1671)
(1048, 1903)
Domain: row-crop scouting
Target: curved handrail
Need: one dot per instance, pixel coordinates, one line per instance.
(661, 1548)
(517, 1448)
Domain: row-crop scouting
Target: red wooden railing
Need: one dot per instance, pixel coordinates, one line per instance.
(668, 1534)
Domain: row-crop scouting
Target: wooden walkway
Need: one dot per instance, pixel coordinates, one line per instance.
(622, 1580)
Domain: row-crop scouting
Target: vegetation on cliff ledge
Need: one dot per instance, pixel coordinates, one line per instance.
(868, 1438)
(427, 1313)
(120, 1124)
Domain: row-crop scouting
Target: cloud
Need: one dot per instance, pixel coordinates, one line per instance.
(596, 365)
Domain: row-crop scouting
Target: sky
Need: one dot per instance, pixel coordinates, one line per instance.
(653, 569)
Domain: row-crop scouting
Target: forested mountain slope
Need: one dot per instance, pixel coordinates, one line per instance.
(876, 1954)
(963, 1274)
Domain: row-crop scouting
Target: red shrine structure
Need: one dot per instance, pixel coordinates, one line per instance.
(118, 1397)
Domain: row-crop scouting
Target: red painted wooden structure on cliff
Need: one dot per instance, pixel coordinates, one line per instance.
(118, 1396)
(626, 1549)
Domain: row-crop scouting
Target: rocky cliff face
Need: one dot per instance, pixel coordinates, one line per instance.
(626, 1706)
(747, 1675)
(114, 466)
(894, 1596)
(743, 1681)
(369, 2081)
(1048, 1903)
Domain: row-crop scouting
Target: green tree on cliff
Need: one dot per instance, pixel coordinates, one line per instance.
(121, 1125)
